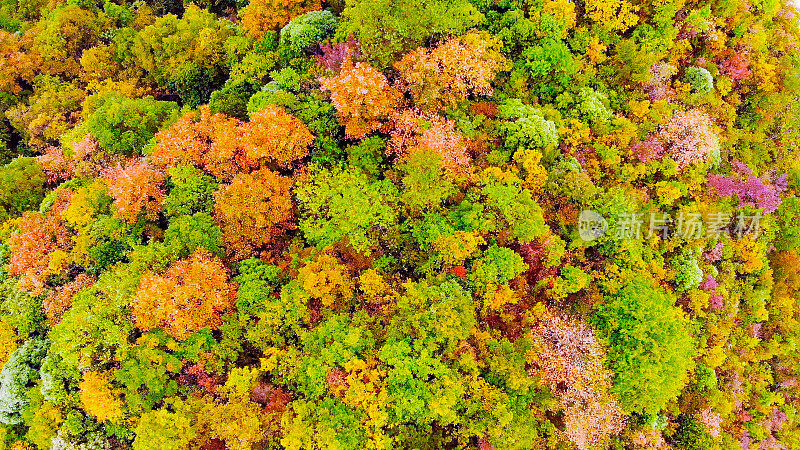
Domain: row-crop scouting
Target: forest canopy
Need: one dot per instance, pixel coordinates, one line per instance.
(399, 224)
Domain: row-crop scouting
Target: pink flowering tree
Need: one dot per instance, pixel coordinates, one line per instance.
(334, 54)
(749, 189)
(571, 360)
(690, 137)
(649, 149)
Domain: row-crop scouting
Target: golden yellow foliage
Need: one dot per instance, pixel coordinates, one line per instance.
(563, 11)
(766, 73)
(327, 279)
(84, 205)
(98, 398)
(616, 15)
(16, 65)
(576, 134)
(596, 51)
(21, 445)
(535, 173)
(8, 342)
(372, 283)
(454, 249)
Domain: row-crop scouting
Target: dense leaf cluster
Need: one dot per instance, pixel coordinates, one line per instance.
(354, 224)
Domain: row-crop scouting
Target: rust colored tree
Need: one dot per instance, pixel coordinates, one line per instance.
(440, 137)
(446, 75)
(274, 136)
(252, 210)
(362, 97)
(39, 249)
(202, 139)
(136, 189)
(190, 295)
(60, 300)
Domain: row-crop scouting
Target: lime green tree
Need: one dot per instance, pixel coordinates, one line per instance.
(650, 347)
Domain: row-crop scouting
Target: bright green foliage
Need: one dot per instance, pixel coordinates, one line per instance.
(123, 126)
(123, 15)
(367, 155)
(334, 344)
(190, 192)
(592, 106)
(530, 129)
(20, 309)
(329, 423)
(42, 419)
(575, 279)
(166, 428)
(145, 372)
(305, 31)
(61, 37)
(789, 217)
(59, 380)
(688, 274)
(417, 379)
(186, 233)
(497, 266)
(515, 108)
(385, 29)
(425, 184)
(21, 187)
(18, 375)
(650, 349)
(346, 204)
(287, 79)
(425, 284)
(111, 241)
(272, 94)
(98, 325)
(516, 30)
(701, 79)
(514, 206)
(232, 98)
(255, 66)
(276, 313)
(693, 435)
(257, 282)
(438, 316)
(430, 319)
(550, 64)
